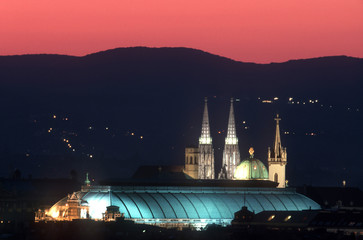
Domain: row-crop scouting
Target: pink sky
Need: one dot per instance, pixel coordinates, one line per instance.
(246, 30)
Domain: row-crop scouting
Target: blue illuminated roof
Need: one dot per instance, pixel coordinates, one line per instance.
(155, 202)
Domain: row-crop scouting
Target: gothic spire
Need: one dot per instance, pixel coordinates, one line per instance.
(205, 137)
(231, 156)
(277, 159)
(231, 131)
(206, 152)
(277, 147)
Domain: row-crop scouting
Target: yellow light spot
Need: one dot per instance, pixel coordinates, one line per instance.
(141, 137)
(91, 156)
(271, 217)
(287, 218)
(132, 134)
(54, 116)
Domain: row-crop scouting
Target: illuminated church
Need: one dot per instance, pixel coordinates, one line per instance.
(195, 201)
(199, 162)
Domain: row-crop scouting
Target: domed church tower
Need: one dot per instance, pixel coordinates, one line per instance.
(251, 169)
(277, 159)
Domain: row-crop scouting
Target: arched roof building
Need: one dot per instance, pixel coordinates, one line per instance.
(188, 205)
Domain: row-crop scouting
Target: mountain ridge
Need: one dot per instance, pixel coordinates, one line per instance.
(174, 48)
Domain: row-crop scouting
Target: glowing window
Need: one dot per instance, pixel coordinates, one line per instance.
(271, 217)
(287, 218)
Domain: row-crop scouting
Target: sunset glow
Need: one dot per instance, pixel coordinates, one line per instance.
(246, 30)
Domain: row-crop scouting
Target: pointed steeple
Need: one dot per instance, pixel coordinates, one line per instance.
(205, 135)
(231, 155)
(231, 131)
(277, 146)
(206, 152)
(277, 158)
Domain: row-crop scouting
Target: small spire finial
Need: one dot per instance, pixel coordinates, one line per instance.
(87, 182)
(251, 151)
(205, 99)
(277, 119)
(231, 99)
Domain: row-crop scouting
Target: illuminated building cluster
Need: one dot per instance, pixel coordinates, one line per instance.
(199, 162)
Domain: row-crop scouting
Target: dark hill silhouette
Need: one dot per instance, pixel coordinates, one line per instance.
(178, 67)
(158, 93)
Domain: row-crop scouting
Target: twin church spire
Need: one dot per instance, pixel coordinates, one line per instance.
(231, 155)
(206, 151)
(277, 158)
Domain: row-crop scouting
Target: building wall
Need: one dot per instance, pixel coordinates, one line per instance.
(279, 169)
(191, 161)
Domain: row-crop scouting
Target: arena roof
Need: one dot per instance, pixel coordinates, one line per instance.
(218, 203)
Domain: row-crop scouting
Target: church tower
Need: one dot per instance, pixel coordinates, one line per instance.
(206, 152)
(277, 159)
(231, 156)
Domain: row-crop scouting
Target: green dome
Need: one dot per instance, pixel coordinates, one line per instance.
(251, 168)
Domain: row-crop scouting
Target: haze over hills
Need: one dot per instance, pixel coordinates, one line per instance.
(157, 93)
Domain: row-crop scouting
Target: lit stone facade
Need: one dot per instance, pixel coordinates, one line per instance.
(206, 151)
(277, 159)
(191, 162)
(231, 155)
